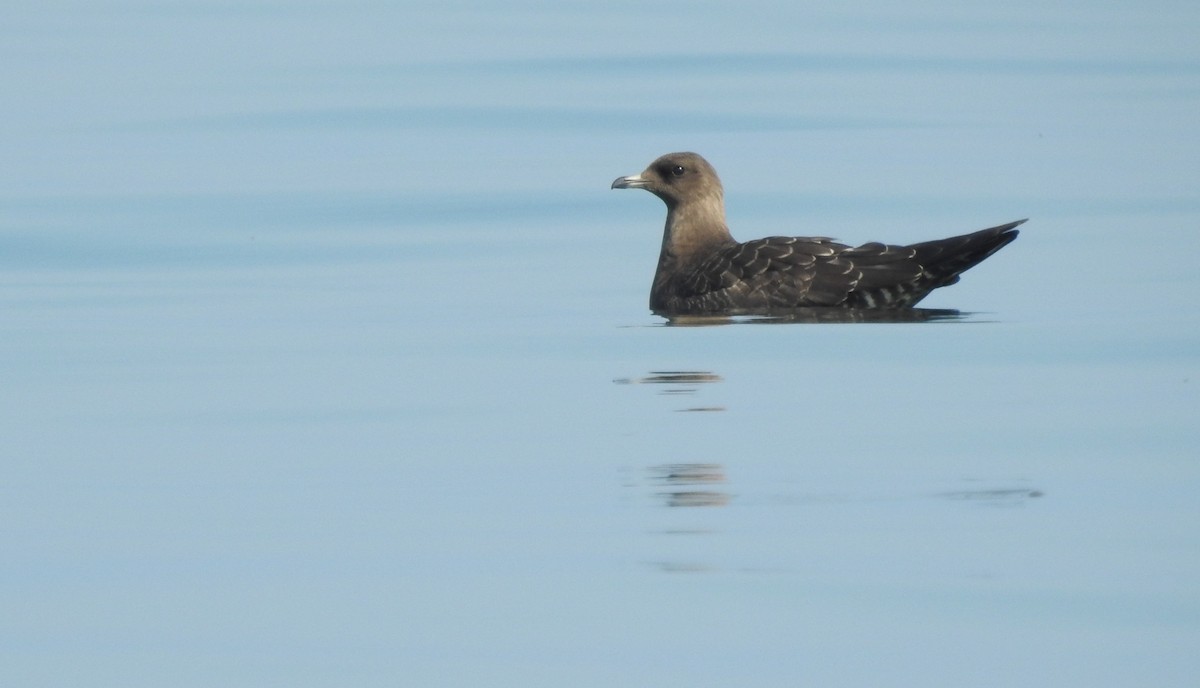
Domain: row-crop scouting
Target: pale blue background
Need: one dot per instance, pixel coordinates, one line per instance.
(325, 359)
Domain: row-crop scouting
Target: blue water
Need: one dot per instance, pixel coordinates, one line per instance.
(325, 357)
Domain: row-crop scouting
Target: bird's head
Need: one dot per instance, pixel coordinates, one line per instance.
(677, 178)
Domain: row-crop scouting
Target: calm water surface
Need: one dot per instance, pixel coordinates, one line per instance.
(325, 356)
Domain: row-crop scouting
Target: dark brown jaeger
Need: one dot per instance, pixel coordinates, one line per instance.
(702, 270)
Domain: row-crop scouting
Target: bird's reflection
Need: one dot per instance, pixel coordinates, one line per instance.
(673, 378)
(687, 485)
(823, 316)
(677, 382)
(684, 486)
(688, 476)
(999, 496)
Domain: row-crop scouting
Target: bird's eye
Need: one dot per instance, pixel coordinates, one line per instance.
(677, 171)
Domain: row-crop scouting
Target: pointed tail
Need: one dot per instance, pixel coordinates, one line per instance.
(945, 259)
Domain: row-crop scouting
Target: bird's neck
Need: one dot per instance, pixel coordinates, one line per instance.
(693, 231)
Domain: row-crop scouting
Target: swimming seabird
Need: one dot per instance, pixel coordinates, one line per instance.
(703, 270)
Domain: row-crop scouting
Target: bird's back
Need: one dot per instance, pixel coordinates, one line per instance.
(780, 273)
